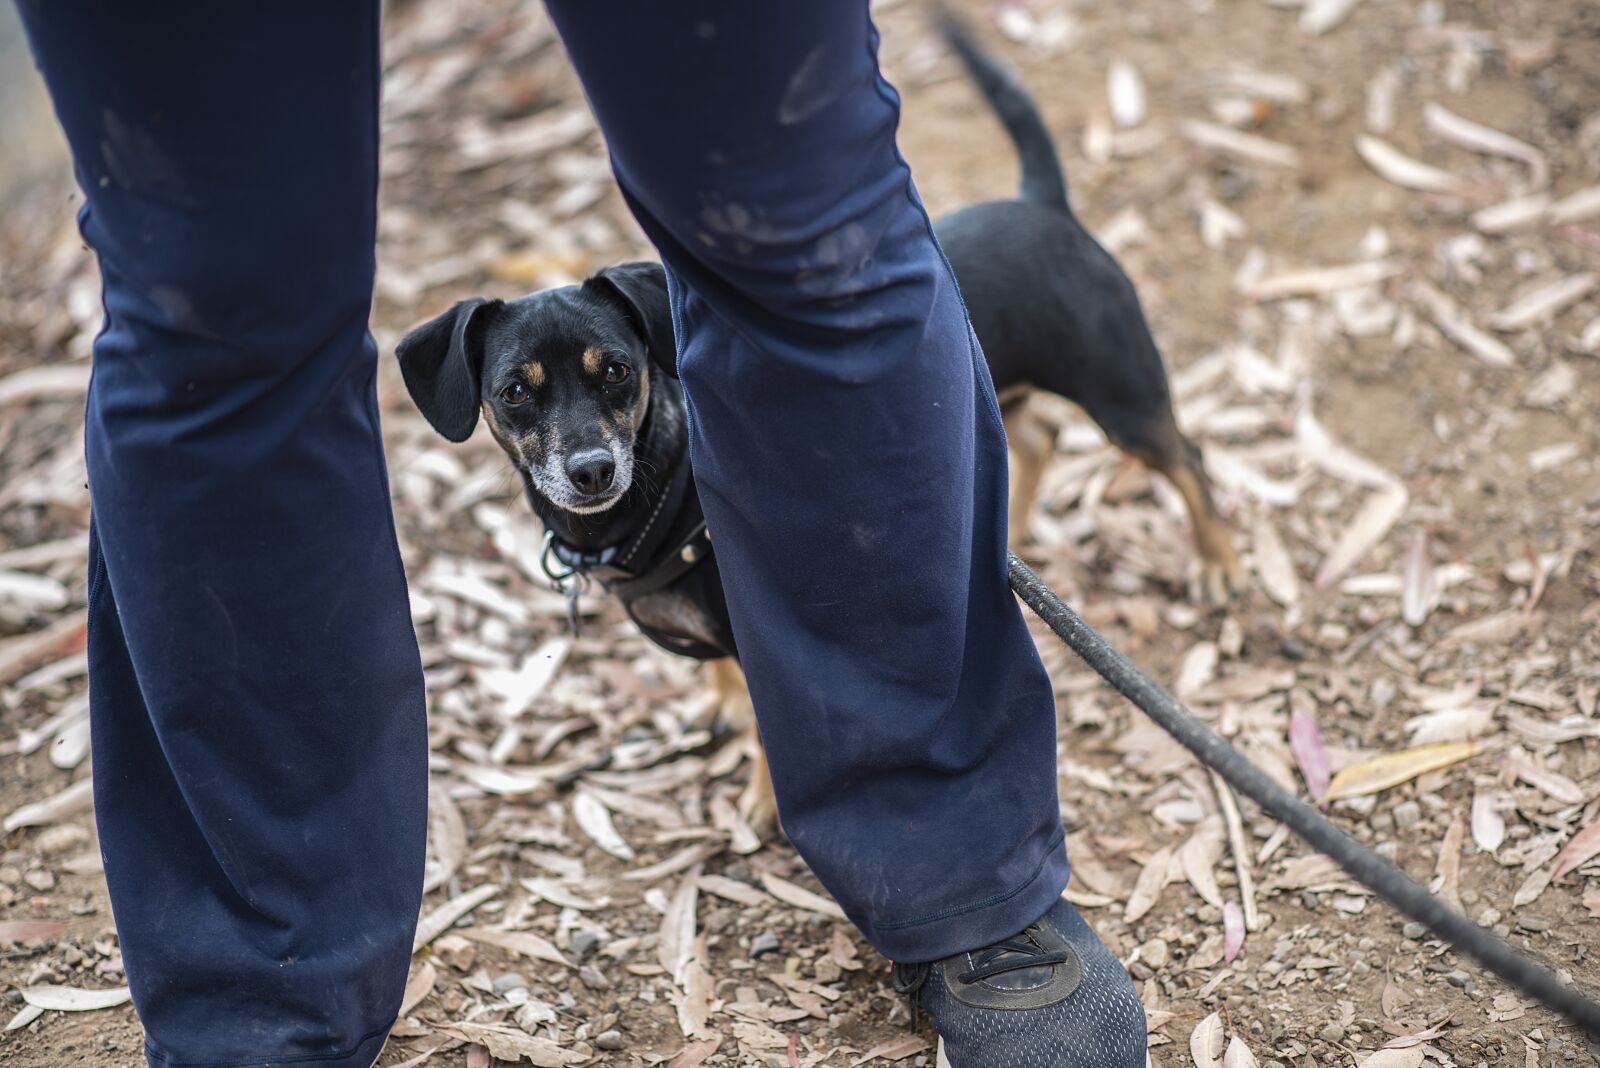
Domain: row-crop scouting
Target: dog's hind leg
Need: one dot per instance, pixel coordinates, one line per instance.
(730, 696)
(1030, 439)
(1160, 445)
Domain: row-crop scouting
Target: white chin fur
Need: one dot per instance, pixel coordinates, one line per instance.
(553, 486)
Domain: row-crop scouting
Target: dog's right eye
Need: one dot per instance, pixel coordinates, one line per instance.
(515, 393)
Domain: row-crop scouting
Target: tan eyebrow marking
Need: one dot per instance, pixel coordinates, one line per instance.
(535, 372)
(591, 360)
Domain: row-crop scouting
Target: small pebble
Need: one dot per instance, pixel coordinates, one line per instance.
(765, 942)
(1532, 923)
(1140, 970)
(593, 977)
(1414, 931)
(1382, 693)
(1308, 901)
(583, 942)
(1332, 1033)
(1155, 953)
(609, 1040)
(1407, 814)
(510, 981)
(1458, 978)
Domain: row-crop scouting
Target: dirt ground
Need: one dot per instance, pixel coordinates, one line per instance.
(1407, 448)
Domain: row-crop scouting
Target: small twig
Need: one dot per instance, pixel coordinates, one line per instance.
(1241, 853)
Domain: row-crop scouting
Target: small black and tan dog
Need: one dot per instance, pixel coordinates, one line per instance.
(578, 386)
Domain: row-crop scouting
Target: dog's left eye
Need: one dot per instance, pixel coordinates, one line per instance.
(616, 371)
(515, 393)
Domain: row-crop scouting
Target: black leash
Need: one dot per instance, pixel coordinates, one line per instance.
(1362, 864)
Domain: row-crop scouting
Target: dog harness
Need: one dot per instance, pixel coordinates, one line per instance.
(642, 564)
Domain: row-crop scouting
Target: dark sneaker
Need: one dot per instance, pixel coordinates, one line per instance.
(1052, 996)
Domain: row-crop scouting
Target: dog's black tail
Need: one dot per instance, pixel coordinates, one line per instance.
(1043, 180)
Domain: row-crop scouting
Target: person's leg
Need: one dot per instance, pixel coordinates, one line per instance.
(852, 466)
(849, 455)
(257, 703)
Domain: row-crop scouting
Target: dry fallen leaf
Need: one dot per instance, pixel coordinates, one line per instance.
(694, 1007)
(1544, 303)
(1419, 594)
(1448, 871)
(1243, 146)
(79, 797)
(440, 920)
(418, 987)
(1305, 741)
(1320, 281)
(1553, 783)
(1367, 528)
(1392, 769)
(1125, 90)
(15, 932)
(1534, 885)
(1147, 888)
(1327, 454)
(1318, 17)
(1578, 206)
(524, 942)
(1461, 724)
(1233, 931)
(594, 820)
(1394, 998)
(1583, 847)
(676, 940)
(1488, 826)
(74, 999)
(18, 656)
(1454, 324)
(733, 890)
(1238, 1055)
(1199, 666)
(896, 1049)
(1395, 1058)
(1205, 1042)
(1199, 856)
(562, 896)
(25, 1016)
(44, 380)
(696, 1053)
(447, 838)
(1395, 166)
(508, 1044)
(1512, 215)
(1274, 565)
(1476, 137)
(799, 896)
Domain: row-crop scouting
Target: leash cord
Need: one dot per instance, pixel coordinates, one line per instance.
(1362, 864)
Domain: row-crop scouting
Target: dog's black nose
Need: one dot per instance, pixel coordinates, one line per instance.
(591, 470)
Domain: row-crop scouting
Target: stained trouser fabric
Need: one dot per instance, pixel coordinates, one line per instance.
(849, 455)
(256, 699)
(259, 744)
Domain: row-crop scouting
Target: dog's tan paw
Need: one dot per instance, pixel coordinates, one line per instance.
(759, 808)
(1216, 582)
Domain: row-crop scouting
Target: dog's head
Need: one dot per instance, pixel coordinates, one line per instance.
(562, 378)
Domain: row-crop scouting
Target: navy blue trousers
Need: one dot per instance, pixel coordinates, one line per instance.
(259, 744)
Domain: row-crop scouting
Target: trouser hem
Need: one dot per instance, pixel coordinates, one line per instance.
(980, 924)
(363, 1055)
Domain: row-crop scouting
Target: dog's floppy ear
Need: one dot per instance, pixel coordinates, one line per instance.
(642, 288)
(442, 361)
